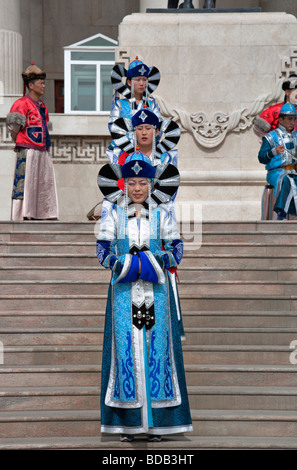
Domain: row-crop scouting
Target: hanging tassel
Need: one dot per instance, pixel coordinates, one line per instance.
(152, 235)
(146, 97)
(152, 156)
(126, 201)
(132, 95)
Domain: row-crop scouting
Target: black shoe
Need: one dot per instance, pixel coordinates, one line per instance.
(154, 438)
(127, 437)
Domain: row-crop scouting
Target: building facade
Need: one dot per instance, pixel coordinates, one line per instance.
(60, 36)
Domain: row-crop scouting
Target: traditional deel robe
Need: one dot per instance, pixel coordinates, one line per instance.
(34, 190)
(123, 132)
(281, 172)
(143, 381)
(34, 131)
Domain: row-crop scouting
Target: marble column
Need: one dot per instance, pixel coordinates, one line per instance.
(11, 49)
(11, 88)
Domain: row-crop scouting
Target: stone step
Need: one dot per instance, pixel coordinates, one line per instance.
(263, 236)
(196, 374)
(231, 302)
(52, 319)
(185, 275)
(198, 336)
(242, 287)
(71, 423)
(241, 375)
(16, 303)
(238, 261)
(42, 260)
(83, 287)
(55, 273)
(238, 354)
(240, 318)
(241, 336)
(93, 273)
(241, 248)
(43, 423)
(211, 236)
(216, 226)
(193, 301)
(47, 398)
(210, 274)
(50, 376)
(47, 236)
(51, 336)
(89, 248)
(214, 274)
(178, 443)
(249, 226)
(76, 354)
(200, 397)
(46, 225)
(95, 319)
(56, 287)
(261, 423)
(192, 261)
(242, 398)
(73, 236)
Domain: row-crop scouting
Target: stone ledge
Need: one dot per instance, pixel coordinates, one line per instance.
(275, 18)
(79, 124)
(236, 177)
(203, 10)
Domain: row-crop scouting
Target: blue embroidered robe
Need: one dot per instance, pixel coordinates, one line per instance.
(143, 386)
(283, 180)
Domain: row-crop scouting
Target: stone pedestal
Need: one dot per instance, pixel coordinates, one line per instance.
(218, 71)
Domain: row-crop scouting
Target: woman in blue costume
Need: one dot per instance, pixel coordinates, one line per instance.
(279, 153)
(143, 388)
(145, 132)
(135, 85)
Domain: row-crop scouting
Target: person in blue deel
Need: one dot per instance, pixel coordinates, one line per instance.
(278, 153)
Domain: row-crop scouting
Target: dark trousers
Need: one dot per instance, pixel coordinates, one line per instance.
(172, 4)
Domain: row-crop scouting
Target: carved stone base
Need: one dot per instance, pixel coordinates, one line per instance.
(204, 10)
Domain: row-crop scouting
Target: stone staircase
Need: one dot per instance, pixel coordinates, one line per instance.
(239, 297)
